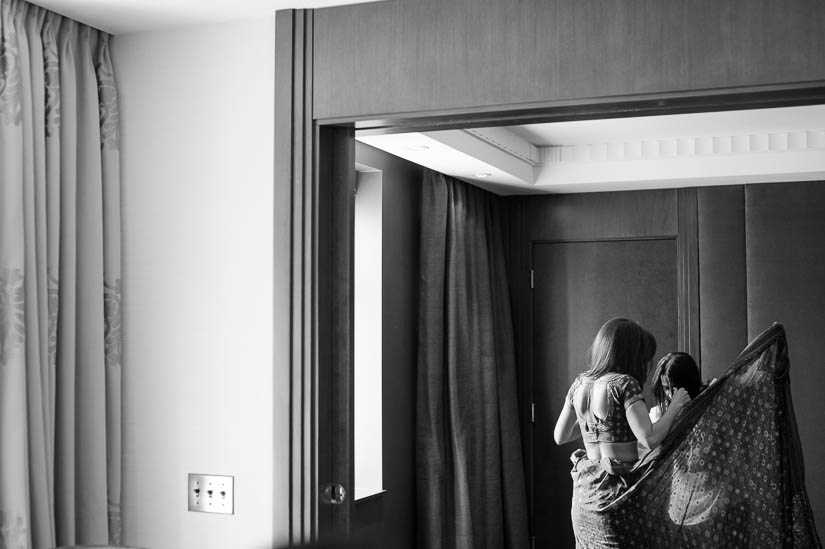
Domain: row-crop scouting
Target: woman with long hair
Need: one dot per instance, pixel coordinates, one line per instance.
(606, 404)
(674, 371)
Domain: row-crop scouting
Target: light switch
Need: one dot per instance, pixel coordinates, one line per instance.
(212, 494)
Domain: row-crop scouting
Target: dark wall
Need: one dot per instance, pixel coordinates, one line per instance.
(723, 279)
(430, 55)
(390, 519)
(762, 260)
(785, 265)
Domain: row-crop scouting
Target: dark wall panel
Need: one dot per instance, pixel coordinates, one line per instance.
(722, 275)
(602, 215)
(688, 260)
(786, 283)
(401, 185)
(430, 55)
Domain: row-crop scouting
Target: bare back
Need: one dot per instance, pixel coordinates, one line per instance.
(600, 405)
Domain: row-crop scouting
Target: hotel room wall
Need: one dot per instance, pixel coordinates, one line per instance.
(723, 277)
(762, 260)
(200, 366)
(785, 236)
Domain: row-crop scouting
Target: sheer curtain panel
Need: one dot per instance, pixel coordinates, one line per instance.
(60, 286)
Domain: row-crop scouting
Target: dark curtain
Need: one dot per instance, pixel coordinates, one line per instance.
(730, 472)
(470, 474)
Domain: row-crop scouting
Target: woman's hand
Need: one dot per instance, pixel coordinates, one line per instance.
(652, 434)
(679, 399)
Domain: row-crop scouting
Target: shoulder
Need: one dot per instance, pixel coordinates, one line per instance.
(625, 382)
(627, 389)
(575, 385)
(576, 382)
(582, 378)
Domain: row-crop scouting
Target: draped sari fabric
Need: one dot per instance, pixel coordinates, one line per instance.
(60, 285)
(730, 472)
(470, 477)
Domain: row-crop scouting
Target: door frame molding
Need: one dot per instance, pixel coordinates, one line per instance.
(310, 156)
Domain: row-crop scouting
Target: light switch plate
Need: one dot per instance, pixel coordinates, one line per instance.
(212, 494)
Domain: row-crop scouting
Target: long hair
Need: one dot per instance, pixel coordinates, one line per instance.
(683, 373)
(621, 346)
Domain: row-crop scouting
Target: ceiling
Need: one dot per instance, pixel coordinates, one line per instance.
(129, 16)
(745, 146)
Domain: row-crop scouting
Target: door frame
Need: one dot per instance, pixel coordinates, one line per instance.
(314, 172)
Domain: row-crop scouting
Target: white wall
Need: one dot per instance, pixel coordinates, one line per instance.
(197, 130)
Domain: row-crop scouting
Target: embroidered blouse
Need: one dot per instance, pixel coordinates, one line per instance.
(622, 392)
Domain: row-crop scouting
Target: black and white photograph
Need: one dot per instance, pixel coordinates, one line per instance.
(402, 274)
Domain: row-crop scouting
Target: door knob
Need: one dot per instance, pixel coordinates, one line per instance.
(335, 494)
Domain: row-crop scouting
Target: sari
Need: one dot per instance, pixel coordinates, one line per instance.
(728, 474)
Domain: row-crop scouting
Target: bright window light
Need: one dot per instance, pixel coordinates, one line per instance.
(368, 420)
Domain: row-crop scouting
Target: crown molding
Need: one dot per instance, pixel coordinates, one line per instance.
(686, 147)
(684, 161)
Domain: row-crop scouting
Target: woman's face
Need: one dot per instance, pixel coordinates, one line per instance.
(667, 387)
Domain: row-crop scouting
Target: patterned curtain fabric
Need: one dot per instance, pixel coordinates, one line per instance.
(60, 287)
(470, 474)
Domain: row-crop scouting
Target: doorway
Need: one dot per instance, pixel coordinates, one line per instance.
(317, 158)
(319, 106)
(578, 265)
(577, 284)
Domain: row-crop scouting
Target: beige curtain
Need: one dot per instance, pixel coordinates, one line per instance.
(60, 288)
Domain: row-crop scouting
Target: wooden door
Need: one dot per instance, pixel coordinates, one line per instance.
(614, 254)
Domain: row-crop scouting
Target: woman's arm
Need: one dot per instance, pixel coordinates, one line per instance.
(565, 430)
(652, 434)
